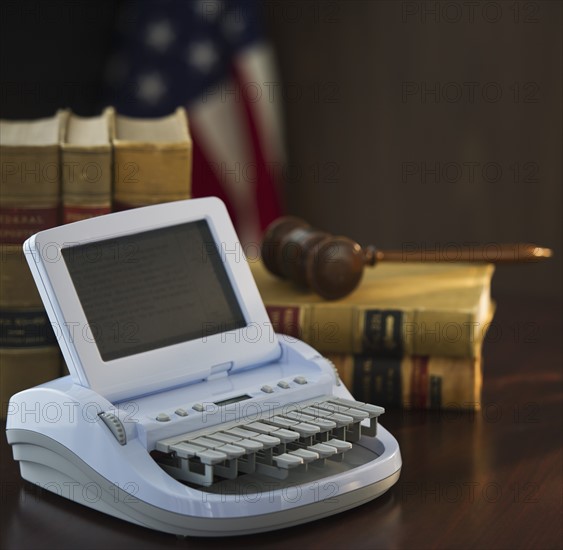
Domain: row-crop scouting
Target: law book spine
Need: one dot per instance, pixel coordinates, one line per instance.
(151, 172)
(414, 382)
(150, 175)
(381, 332)
(29, 202)
(87, 166)
(87, 177)
(30, 187)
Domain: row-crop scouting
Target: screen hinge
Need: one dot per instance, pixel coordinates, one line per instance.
(219, 371)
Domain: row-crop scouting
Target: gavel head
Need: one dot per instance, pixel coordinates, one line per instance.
(330, 266)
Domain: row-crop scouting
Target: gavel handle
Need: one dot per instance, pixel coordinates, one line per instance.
(492, 253)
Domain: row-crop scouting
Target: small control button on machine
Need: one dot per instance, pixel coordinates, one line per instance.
(162, 417)
(181, 412)
(198, 407)
(283, 384)
(267, 389)
(300, 380)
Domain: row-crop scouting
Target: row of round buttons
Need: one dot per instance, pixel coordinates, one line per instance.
(283, 384)
(163, 417)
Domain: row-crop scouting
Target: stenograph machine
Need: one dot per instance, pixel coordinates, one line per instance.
(183, 411)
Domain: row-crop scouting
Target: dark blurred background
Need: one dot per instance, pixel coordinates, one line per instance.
(407, 124)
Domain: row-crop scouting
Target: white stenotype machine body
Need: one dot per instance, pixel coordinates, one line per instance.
(183, 411)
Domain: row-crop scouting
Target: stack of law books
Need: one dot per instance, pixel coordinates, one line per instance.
(410, 336)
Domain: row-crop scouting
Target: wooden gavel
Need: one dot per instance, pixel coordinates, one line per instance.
(332, 266)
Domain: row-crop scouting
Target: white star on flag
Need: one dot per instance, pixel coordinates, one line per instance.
(160, 35)
(202, 56)
(151, 88)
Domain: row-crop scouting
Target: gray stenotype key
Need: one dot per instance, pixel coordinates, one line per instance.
(206, 442)
(269, 429)
(286, 461)
(305, 430)
(373, 411)
(287, 436)
(306, 455)
(324, 450)
(339, 445)
(345, 425)
(232, 451)
(297, 428)
(237, 431)
(209, 456)
(250, 445)
(355, 431)
(260, 427)
(268, 441)
(323, 423)
(224, 437)
(368, 407)
(185, 449)
(342, 420)
(282, 421)
(356, 414)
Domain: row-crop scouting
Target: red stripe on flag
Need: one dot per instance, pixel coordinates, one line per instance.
(266, 191)
(205, 182)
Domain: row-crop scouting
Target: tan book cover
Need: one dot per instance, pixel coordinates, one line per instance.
(30, 176)
(398, 310)
(29, 198)
(87, 166)
(152, 160)
(30, 152)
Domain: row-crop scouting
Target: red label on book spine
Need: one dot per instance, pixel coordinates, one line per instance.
(285, 320)
(77, 213)
(18, 224)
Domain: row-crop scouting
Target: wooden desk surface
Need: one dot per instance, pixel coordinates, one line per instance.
(486, 480)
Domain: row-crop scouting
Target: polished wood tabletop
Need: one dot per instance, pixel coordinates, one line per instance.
(489, 479)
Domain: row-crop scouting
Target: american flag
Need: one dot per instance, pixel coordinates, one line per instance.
(210, 56)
